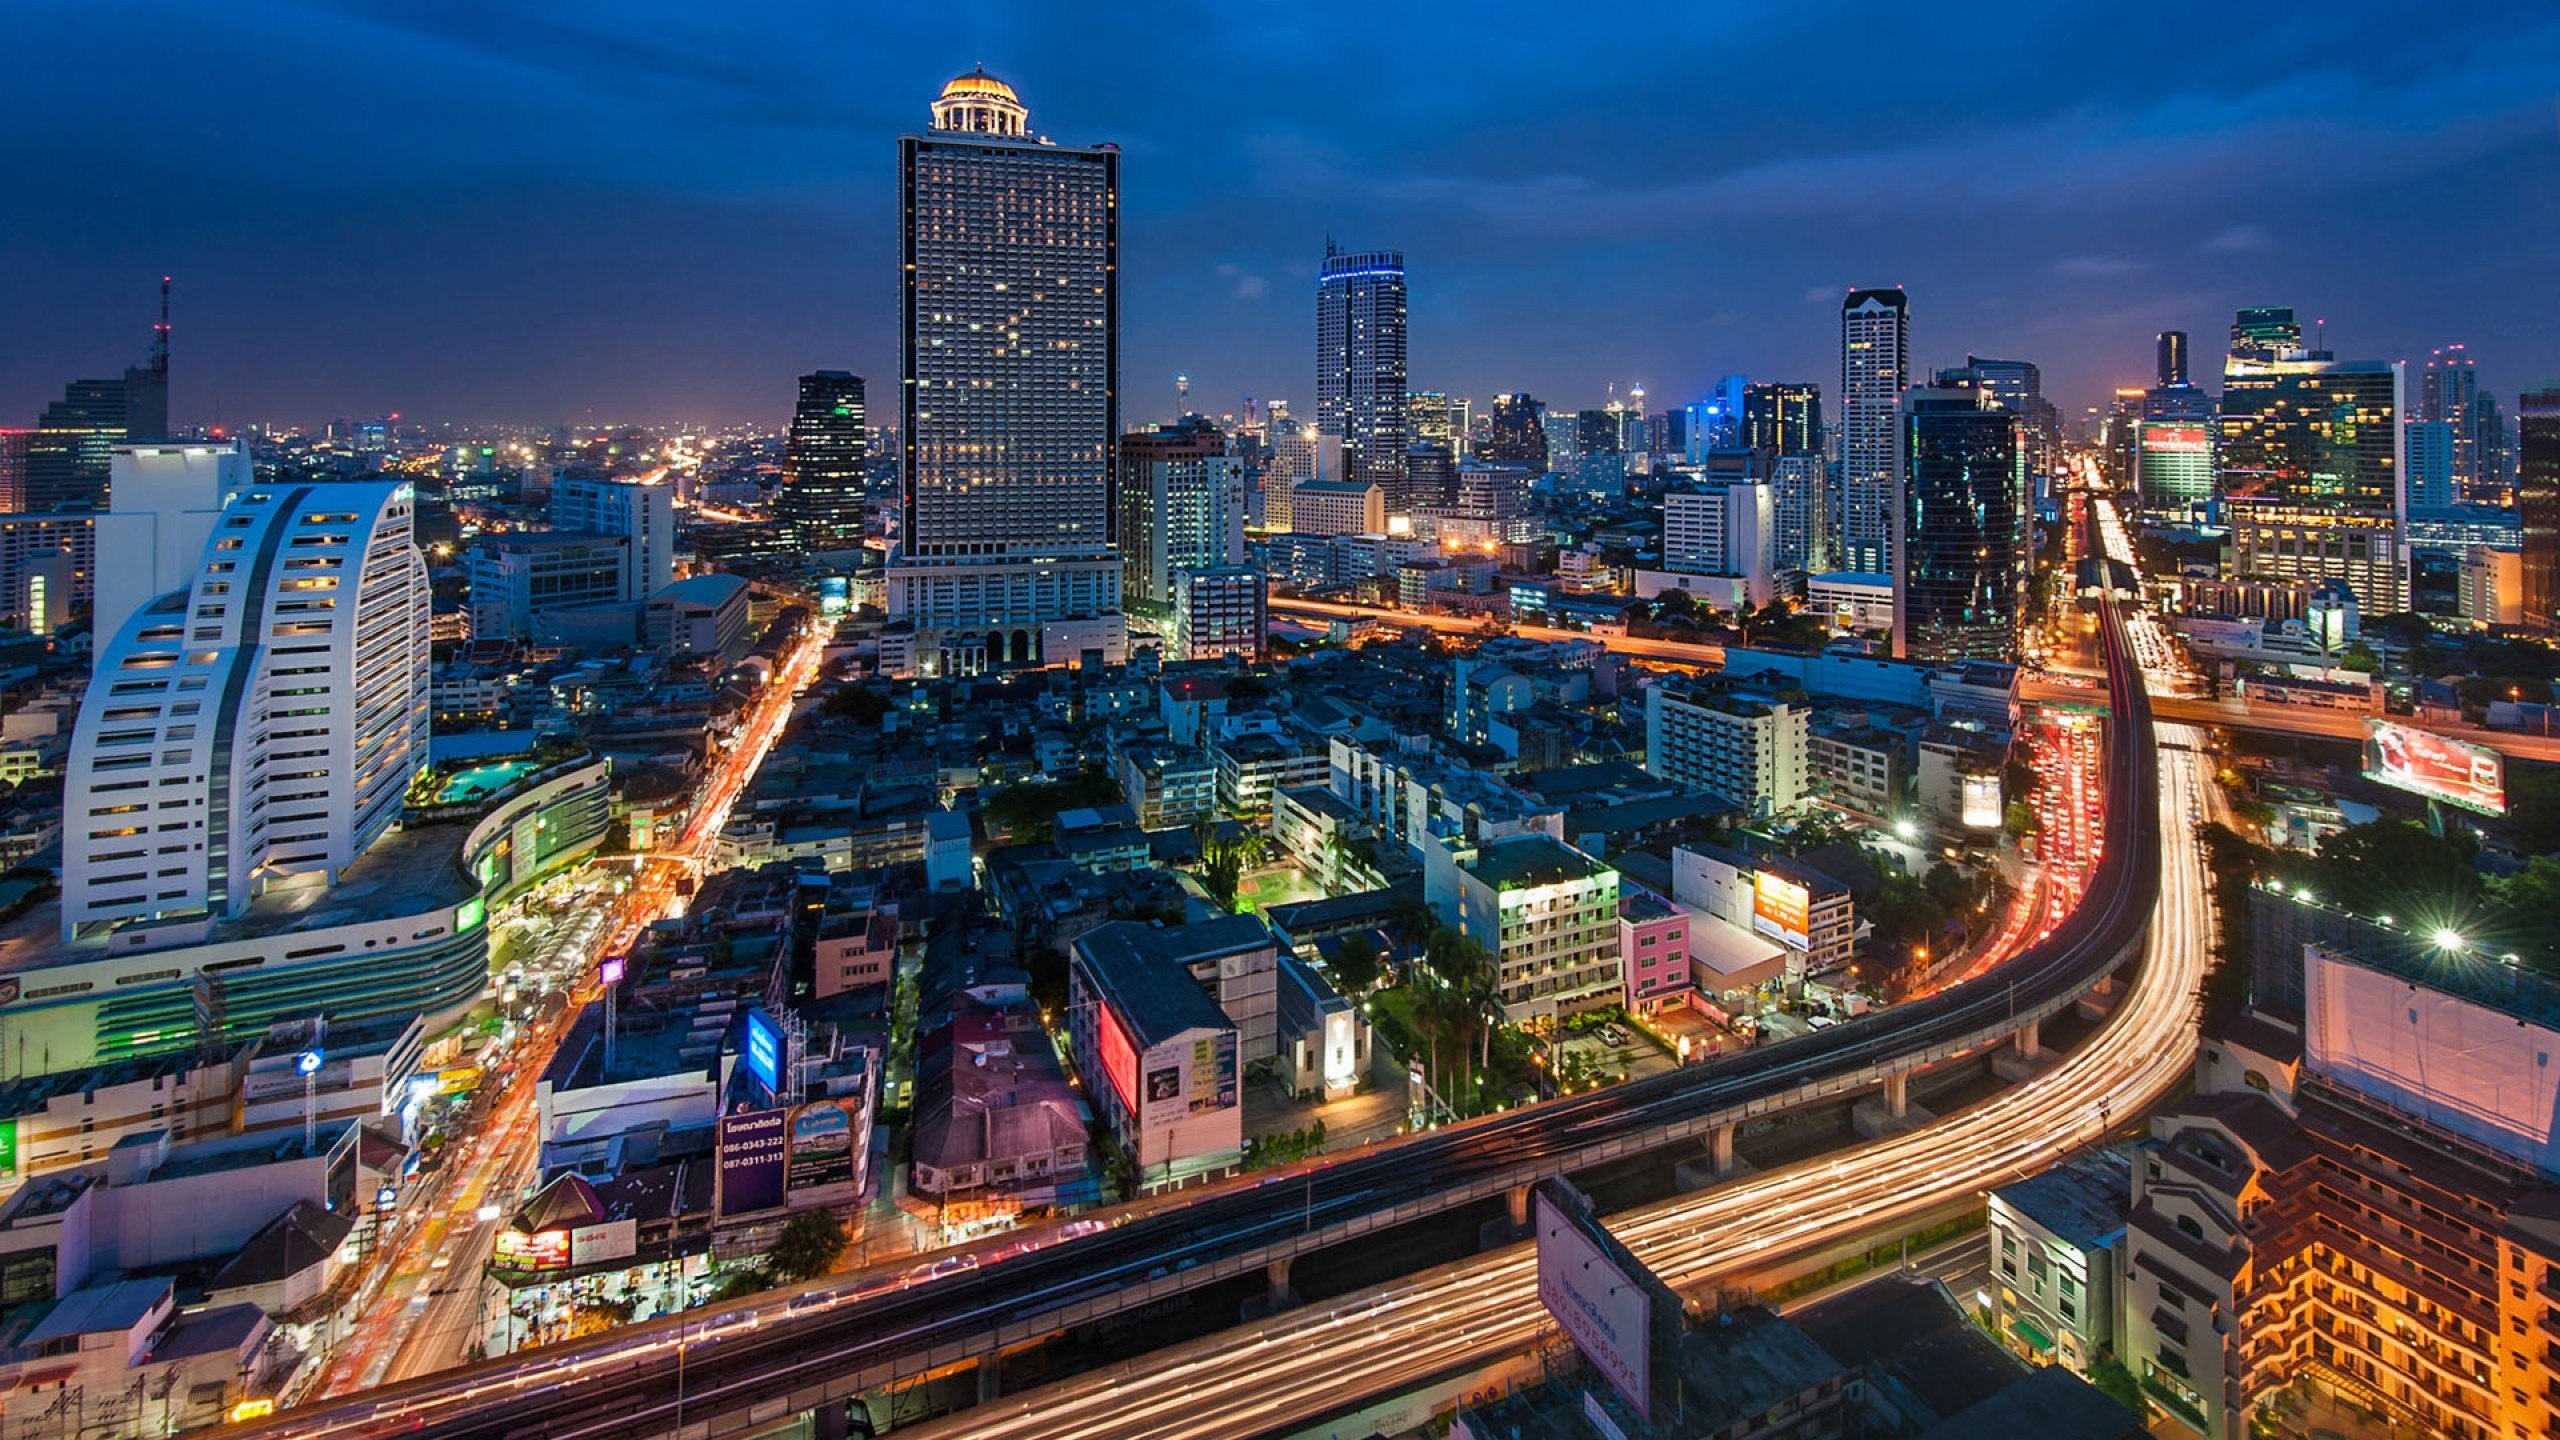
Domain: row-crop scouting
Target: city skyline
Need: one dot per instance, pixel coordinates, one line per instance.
(668, 223)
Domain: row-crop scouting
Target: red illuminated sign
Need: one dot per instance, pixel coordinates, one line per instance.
(1119, 1056)
(2188, 438)
(2425, 763)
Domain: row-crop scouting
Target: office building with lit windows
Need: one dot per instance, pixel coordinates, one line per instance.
(1360, 369)
(1963, 531)
(819, 506)
(1875, 364)
(2312, 455)
(2538, 503)
(1009, 358)
(1182, 504)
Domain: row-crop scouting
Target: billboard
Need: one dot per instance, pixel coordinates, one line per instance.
(821, 1147)
(2183, 439)
(524, 1254)
(2469, 1067)
(1981, 802)
(8, 1147)
(754, 1147)
(1213, 1072)
(764, 1051)
(1782, 908)
(1119, 1056)
(2436, 766)
(1606, 1311)
(596, 1244)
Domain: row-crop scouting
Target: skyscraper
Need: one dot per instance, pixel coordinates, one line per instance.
(68, 455)
(1009, 360)
(2019, 387)
(2431, 447)
(1432, 420)
(820, 505)
(2312, 455)
(1963, 547)
(2538, 501)
(1800, 499)
(1783, 418)
(2449, 391)
(2173, 357)
(1515, 432)
(1875, 364)
(304, 590)
(1360, 367)
(2265, 332)
(1716, 421)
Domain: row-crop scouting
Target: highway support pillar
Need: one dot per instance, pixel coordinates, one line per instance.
(1275, 1278)
(827, 1423)
(1720, 1147)
(2029, 1039)
(1897, 1094)
(990, 1378)
(1518, 1199)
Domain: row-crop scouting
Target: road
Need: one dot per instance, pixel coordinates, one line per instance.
(426, 1313)
(1668, 652)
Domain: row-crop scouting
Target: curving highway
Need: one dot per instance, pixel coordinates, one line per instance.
(791, 1349)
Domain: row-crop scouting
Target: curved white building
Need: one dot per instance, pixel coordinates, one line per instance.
(261, 725)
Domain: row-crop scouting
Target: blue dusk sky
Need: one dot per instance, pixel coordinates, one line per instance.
(661, 210)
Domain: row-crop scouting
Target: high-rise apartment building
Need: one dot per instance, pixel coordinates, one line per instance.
(642, 512)
(13, 469)
(1875, 365)
(69, 455)
(820, 504)
(2312, 455)
(1962, 550)
(1515, 432)
(1009, 345)
(1800, 510)
(2538, 502)
(2449, 392)
(1360, 368)
(2431, 448)
(1182, 505)
(1783, 418)
(1748, 745)
(261, 724)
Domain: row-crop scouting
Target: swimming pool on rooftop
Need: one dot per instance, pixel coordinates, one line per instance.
(479, 782)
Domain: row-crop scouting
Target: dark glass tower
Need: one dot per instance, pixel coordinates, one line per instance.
(1963, 545)
(1515, 432)
(2538, 500)
(1784, 419)
(820, 506)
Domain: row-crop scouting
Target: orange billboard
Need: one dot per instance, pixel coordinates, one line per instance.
(1782, 908)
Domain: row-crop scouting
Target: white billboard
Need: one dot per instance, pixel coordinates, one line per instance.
(1981, 802)
(2476, 1071)
(1603, 1308)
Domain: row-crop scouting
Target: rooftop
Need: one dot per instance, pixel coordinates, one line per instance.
(1521, 861)
(1144, 970)
(2081, 1204)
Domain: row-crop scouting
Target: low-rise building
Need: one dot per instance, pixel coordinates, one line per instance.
(1162, 1062)
(1545, 912)
(1808, 912)
(2057, 1239)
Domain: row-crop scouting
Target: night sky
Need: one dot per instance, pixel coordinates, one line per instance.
(657, 210)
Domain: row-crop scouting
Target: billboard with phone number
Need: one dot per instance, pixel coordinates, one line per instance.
(2436, 766)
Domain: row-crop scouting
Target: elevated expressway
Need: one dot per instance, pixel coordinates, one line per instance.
(806, 1348)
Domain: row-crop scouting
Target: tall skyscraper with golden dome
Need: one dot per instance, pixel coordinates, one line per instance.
(1009, 407)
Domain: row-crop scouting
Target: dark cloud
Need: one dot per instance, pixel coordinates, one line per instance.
(663, 210)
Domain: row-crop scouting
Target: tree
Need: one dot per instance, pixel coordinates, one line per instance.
(808, 1247)
(858, 703)
(2116, 1382)
(2360, 659)
(1356, 962)
(1674, 602)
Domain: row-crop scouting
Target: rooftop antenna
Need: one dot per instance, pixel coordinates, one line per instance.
(1182, 394)
(160, 334)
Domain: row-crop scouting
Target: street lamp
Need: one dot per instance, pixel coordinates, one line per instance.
(2450, 940)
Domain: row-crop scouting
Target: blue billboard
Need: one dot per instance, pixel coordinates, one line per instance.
(764, 1051)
